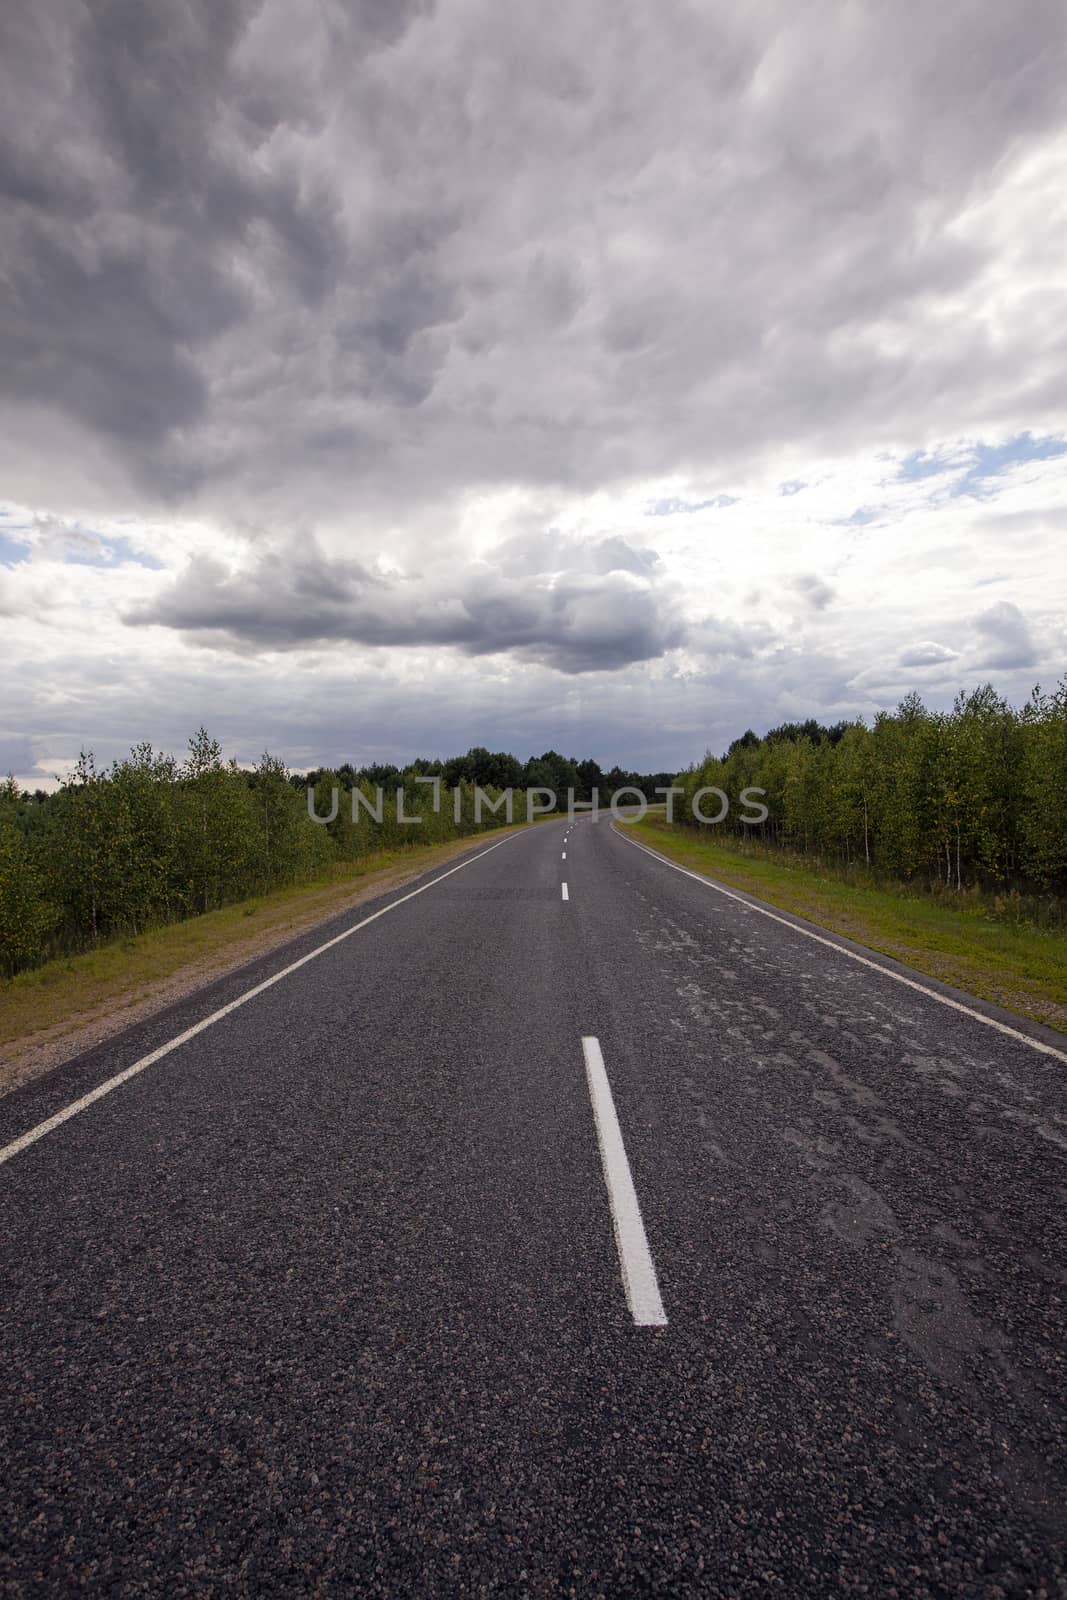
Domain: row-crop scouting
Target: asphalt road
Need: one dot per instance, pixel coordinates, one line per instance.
(328, 1299)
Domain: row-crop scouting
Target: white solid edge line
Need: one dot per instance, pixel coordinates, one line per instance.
(566, 896)
(635, 1258)
(76, 1106)
(853, 955)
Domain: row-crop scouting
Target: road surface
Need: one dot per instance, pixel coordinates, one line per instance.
(631, 1241)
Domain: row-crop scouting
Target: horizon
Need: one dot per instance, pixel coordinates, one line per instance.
(247, 763)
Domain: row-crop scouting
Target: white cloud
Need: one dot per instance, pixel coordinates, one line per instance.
(927, 654)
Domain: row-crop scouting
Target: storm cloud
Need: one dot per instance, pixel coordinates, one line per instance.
(686, 346)
(578, 608)
(259, 248)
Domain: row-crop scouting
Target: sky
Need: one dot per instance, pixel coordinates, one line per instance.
(382, 378)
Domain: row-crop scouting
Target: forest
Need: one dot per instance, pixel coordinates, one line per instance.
(150, 840)
(972, 797)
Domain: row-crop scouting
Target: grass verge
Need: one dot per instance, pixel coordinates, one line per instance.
(1016, 965)
(53, 1011)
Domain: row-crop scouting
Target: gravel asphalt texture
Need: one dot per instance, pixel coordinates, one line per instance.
(327, 1300)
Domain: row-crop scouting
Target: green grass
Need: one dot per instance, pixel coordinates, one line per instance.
(972, 942)
(71, 992)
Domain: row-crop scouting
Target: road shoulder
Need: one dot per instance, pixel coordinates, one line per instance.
(970, 968)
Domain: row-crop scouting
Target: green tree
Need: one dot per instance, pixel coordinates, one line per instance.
(28, 915)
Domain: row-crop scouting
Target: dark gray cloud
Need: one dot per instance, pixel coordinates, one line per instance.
(146, 224)
(454, 246)
(576, 607)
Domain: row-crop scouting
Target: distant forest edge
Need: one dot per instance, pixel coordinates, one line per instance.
(495, 769)
(974, 797)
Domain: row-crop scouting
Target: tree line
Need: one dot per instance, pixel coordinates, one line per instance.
(972, 797)
(497, 769)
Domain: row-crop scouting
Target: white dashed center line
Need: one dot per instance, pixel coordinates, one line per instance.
(635, 1258)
